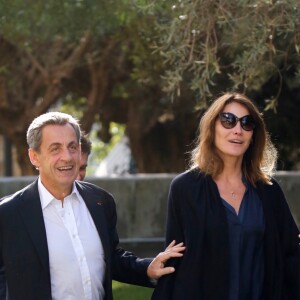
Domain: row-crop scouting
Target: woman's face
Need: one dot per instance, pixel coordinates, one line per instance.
(233, 142)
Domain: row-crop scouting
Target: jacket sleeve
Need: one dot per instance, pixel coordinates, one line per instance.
(2, 273)
(165, 286)
(290, 245)
(128, 268)
(2, 283)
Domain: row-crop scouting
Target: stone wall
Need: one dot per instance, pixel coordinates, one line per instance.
(141, 204)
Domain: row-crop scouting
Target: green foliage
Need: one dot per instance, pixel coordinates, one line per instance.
(242, 43)
(122, 291)
(25, 21)
(73, 106)
(134, 51)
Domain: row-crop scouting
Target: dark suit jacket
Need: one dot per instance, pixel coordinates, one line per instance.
(24, 261)
(196, 216)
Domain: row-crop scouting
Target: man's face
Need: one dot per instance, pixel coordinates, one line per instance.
(82, 166)
(58, 158)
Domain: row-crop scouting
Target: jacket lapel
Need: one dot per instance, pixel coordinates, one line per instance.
(32, 217)
(96, 209)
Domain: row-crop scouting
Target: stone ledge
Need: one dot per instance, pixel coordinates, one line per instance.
(141, 202)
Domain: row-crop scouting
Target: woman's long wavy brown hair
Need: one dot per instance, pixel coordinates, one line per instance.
(260, 158)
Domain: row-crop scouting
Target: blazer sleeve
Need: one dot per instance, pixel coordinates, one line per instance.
(289, 243)
(2, 278)
(3, 289)
(2, 272)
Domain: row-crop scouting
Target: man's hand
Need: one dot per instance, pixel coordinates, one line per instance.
(157, 267)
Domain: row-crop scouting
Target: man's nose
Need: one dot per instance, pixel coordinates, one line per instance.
(66, 154)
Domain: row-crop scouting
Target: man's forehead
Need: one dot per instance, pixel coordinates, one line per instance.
(60, 134)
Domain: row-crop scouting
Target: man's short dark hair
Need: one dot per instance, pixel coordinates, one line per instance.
(86, 144)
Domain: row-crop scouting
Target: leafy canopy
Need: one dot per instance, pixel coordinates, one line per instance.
(232, 44)
(23, 21)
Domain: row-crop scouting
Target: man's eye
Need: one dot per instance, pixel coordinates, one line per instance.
(73, 148)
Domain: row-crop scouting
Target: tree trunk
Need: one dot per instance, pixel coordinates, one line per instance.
(161, 137)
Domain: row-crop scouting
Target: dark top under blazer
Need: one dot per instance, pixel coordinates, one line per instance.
(24, 250)
(196, 216)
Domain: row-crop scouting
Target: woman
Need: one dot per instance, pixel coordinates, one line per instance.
(241, 240)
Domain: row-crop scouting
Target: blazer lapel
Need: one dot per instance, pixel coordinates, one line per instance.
(94, 205)
(32, 217)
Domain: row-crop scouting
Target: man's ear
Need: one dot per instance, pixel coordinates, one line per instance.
(33, 157)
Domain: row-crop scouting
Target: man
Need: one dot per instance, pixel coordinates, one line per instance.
(86, 147)
(58, 237)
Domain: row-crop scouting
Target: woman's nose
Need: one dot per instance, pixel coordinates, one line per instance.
(238, 128)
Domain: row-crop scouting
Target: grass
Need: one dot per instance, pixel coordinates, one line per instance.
(123, 291)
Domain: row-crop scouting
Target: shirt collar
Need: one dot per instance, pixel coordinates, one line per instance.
(46, 197)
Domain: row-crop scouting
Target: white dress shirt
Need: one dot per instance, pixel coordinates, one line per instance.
(76, 255)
